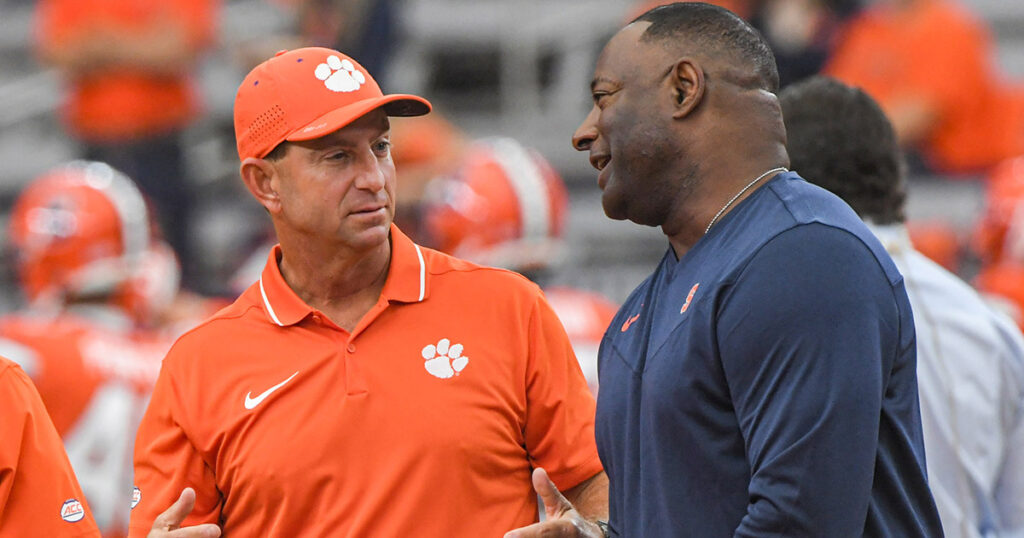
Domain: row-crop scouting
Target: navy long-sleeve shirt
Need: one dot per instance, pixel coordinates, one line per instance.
(764, 384)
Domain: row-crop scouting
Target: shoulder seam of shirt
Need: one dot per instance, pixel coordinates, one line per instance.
(471, 269)
(7, 368)
(797, 225)
(439, 263)
(478, 268)
(220, 316)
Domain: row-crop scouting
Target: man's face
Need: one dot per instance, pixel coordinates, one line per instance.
(628, 130)
(341, 187)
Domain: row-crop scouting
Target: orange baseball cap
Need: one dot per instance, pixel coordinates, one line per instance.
(307, 93)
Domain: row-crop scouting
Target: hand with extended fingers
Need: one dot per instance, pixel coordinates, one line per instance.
(168, 524)
(563, 521)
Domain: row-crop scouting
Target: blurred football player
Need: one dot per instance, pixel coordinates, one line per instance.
(506, 206)
(81, 234)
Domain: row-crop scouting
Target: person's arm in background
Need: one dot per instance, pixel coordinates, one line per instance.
(1010, 490)
(802, 335)
(1009, 493)
(39, 494)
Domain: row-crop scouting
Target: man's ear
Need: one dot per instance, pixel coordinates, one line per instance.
(263, 181)
(688, 83)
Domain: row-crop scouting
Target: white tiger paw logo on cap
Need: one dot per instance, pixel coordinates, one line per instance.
(340, 75)
(444, 360)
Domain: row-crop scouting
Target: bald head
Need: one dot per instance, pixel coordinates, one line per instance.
(717, 34)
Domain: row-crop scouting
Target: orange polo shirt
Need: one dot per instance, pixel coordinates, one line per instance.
(118, 103)
(938, 52)
(39, 495)
(426, 420)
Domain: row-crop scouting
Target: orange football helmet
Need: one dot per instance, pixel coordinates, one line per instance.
(505, 206)
(78, 230)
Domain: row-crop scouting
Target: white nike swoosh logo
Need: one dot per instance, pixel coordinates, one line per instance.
(251, 402)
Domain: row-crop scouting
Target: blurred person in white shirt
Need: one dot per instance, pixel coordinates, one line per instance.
(970, 358)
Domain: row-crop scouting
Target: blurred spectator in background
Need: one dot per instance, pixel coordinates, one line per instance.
(367, 28)
(743, 8)
(80, 237)
(970, 359)
(929, 64)
(128, 66)
(802, 33)
(363, 28)
(506, 206)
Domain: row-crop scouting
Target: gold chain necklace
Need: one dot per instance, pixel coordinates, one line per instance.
(738, 194)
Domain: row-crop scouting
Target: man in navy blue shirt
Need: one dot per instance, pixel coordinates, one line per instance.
(761, 382)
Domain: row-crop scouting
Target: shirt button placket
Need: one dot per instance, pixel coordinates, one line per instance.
(353, 372)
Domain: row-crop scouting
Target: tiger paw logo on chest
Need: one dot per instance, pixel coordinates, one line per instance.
(72, 511)
(444, 359)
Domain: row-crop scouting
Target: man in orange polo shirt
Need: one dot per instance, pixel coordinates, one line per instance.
(364, 386)
(39, 495)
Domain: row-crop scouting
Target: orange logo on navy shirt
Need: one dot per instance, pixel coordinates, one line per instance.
(72, 511)
(628, 322)
(689, 297)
